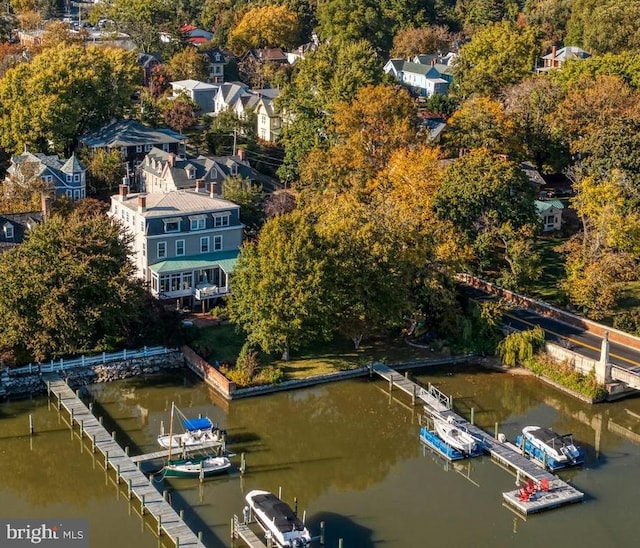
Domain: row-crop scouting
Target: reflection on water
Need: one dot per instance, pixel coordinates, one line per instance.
(348, 452)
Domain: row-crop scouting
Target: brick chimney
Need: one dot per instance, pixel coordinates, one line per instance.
(122, 192)
(212, 191)
(242, 155)
(434, 61)
(45, 202)
(142, 203)
(171, 158)
(554, 50)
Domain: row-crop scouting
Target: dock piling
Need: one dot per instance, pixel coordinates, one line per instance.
(243, 463)
(91, 408)
(130, 487)
(118, 474)
(164, 495)
(93, 443)
(340, 543)
(200, 536)
(280, 492)
(113, 435)
(322, 533)
(181, 514)
(295, 505)
(472, 415)
(495, 431)
(106, 460)
(159, 524)
(30, 425)
(162, 428)
(201, 475)
(142, 505)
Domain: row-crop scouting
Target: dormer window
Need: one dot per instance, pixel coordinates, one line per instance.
(8, 231)
(171, 225)
(221, 219)
(191, 171)
(234, 169)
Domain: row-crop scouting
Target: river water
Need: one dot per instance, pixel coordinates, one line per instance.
(348, 451)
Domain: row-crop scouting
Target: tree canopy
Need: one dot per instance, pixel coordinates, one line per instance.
(68, 289)
(265, 26)
(62, 93)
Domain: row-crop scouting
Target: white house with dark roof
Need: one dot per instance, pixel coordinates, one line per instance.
(67, 177)
(185, 243)
(165, 172)
(423, 79)
(134, 140)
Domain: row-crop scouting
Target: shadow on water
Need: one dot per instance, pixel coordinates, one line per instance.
(341, 527)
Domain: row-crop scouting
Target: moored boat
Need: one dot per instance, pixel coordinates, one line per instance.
(551, 449)
(198, 432)
(455, 436)
(278, 519)
(192, 468)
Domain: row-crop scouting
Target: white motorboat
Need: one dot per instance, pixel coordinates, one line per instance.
(454, 436)
(278, 519)
(553, 449)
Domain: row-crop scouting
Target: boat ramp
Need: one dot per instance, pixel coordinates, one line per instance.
(170, 523)
(556, 493)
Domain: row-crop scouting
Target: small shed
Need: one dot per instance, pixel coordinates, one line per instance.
(550, 213)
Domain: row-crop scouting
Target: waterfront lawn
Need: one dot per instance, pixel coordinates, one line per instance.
(547, 287)
(223, 343)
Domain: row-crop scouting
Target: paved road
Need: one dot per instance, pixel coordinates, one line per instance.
(571, 337)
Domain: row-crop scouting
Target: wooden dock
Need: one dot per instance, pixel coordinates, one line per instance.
(241, 530)
(504, 453)
(186, 451)
(151, 501)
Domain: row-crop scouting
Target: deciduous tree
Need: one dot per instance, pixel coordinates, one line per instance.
(68, 289)
(266, 26)
(413, 41)
(63, 92)
(278, 298)
(498, 55)
(188, 64)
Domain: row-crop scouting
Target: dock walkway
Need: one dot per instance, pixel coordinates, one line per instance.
(243, 532)
(164, 453)
(151, 501)
(506, 454)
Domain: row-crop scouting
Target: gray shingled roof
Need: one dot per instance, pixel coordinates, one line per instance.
(123, 133)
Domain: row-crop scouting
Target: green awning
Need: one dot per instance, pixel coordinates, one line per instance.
(224, 259)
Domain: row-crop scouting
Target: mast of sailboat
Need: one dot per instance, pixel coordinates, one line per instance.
(171, 430)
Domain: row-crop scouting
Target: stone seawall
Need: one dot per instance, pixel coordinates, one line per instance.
(25, 385)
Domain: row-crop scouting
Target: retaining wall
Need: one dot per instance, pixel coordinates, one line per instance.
(208, 373)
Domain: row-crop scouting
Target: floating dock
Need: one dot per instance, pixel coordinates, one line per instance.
(151, 501)
(164, 453)
(504, 453)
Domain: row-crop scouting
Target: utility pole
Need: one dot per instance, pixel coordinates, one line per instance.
(235, 132)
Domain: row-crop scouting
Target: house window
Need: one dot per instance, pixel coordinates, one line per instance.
(69, 193)
(138, 148)
(548, 220)
(69, 178)
(76, 178)
(147, 148)
(142, 225)
(204, 244)
(179, 248)
(123, 151)
(144, 249)
(217, 243)
(8, 231)
(198, 223)
(263, 119)
(221, 220)
(165, 147)
(48, 178)
(172, 225)
(162, 250)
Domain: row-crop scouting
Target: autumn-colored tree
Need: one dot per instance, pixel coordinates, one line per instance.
(379, 120)
(613, 27)
(179, 113)
(267, 26)
(250, 197)
(550, 17)
(530, 107)
(188, 64)
(498, 55)
(55, 33)
(10, 56)
(63, 92)
(44, 7)
(22, 189)
(30, 20)
(105, 170)
(413, 41)
(480, 122)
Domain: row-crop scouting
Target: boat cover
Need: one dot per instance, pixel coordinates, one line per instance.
(278, 512)
(198, 424)
(545, 435)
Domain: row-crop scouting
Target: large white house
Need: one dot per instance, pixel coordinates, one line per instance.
(424, 75)
(185, 242)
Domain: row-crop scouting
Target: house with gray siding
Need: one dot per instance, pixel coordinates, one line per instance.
(185, 242)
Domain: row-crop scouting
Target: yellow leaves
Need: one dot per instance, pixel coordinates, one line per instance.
(268, 26)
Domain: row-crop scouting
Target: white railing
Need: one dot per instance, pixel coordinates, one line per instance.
(83, 361)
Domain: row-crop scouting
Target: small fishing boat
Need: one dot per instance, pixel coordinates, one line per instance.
(551, 449)
(198, 432)
(278, 519)
(455, 436)
(195, 467)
